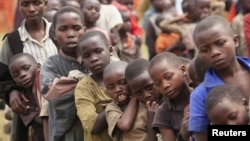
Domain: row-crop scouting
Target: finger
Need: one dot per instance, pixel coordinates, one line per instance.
(148, 104)
(24, 98)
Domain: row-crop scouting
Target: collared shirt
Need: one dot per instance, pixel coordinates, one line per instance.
(39, 50)
(198, 120)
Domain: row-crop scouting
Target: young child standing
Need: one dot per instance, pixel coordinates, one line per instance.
(168, 74)
(216, 43)
(68, 26)
(129, 49)
(121, 114)
(142, 87)
(226, 105)
(91, 96)
(24, 69)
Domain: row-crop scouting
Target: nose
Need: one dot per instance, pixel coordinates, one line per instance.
(118, 89)
(215, 51)
(93, 58)
(22, 74)
(230, 122)
(31, 8)
(147, 95)
(70, 33)
(165, 85)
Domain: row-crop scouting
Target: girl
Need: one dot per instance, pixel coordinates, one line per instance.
(91, 96)
(68, 26)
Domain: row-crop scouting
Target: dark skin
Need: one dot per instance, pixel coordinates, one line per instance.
(32, 10)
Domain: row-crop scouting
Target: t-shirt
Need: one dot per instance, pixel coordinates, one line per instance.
(139, 130)
(89, 98)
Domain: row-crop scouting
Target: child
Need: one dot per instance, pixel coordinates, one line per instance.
(226, 105)
(68, 26)
(216, 43)
(129, 50)
(122, 114)
(168, 74)
(143, 88)
(32, 37)
(24, 69)
(91, 95)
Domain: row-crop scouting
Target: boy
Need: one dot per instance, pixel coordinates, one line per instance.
(24, 70)
(216, 43)
(168, 73)
(31, 37)
(142, 87)
(225, 105)
(123, 116)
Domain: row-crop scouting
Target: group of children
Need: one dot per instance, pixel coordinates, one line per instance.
(86, 91)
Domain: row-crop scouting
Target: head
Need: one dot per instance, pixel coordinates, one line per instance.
(68, 26)
(216, 42)
(95, 50)
(196, 9)
(200, 69)
(49, 13)
(159, 19)
(245, 5)
(168, 74)
(54, 4)
(73, 3)
(105, 1)
(127, 3)
(115, 82)
(91, 11)
(159, 5)
(23, 68)
(226, 105)
(32, 10)
(140, 82)
(126, 27)
(186, 62)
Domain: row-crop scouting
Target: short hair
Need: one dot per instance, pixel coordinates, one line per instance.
(94, 33)
(19, 55)
(219, 93)
(210, 22)
(171, 58)
(64, 10)
(114, 66)
(185, 60)
(135, 68)
(83, 2)
(200, 67)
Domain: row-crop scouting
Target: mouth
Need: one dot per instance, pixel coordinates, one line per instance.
(72, 44)
(97, 67)
(170, 93)
(218, 62)
(121, 97)
(26, 82)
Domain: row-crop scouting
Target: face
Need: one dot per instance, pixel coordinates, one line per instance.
(54, 5)
(216, 46)
(168, 78)
(143, 88)
(203, 8)
(128, 3)
(245, 5)
(159, 4)
(116, 86)
(229, 113)
(23, 71)
(73, 3)
(91, 11)
(126, 21)
(95, 53)
(68, 30)
(32, 10)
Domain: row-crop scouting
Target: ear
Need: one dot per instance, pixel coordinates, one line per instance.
(111, 49)
(45, 2)
(236, 40)
(246, 103)
(183, 69)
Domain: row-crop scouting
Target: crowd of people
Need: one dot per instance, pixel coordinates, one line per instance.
(73, 70)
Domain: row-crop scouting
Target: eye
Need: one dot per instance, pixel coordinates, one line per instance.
(15, 74)
(203, 50)
(77, 27)
(62, 28)
(149, 87)
(86, 55)
(232, 116)
(25, 4)
(37, 3)
(122, 82)
(157, 83)
(98, 50)
(110, 87)
(219, 43)
(168, 76)
(138, 93)
(26, 68)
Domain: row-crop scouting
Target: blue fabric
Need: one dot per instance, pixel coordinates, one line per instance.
(147, 14)
(198, 121)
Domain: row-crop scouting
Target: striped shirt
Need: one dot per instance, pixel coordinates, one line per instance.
(39, 50)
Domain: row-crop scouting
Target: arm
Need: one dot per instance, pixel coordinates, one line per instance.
(126, 122)
(150, 39)
(152, 107)
(200, 136)
(100, 124)
(167, 134)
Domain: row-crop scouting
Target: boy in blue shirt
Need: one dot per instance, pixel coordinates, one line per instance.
(216, 43)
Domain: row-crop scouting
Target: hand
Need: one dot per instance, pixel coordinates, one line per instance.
(152, 106)
(184, 126)
(18, 102)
